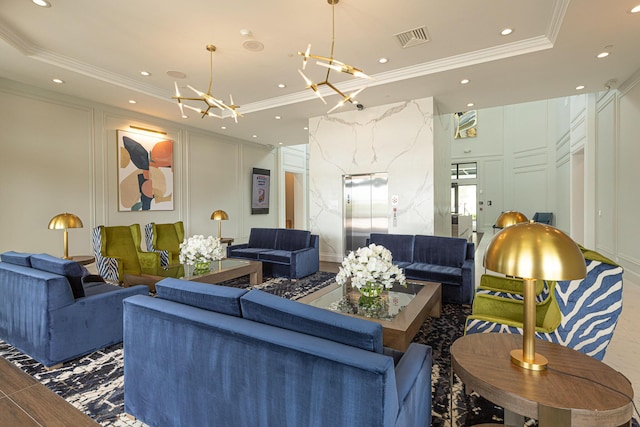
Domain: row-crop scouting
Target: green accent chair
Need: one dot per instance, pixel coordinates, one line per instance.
(165, 239)
(499, 300)
(117, 252)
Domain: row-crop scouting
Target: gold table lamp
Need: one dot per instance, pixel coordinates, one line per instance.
(509, 218)
(219, 216)
(533, 251)
(65, 221)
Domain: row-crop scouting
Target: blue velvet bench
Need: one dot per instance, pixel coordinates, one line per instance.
(201, 354)
(283, 252)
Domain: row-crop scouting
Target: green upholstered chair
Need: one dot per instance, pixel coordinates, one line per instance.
(165, 239)
(589, 308)
(117, 251)
(499, 300)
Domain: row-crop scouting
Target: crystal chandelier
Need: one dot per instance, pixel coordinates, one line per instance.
(331, 64)
(209, 100)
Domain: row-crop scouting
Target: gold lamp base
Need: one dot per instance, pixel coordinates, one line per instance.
(539, 362)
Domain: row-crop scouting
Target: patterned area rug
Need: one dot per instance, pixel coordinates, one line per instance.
(94, 383)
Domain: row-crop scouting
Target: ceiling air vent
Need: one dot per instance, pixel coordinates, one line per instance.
(413, 37)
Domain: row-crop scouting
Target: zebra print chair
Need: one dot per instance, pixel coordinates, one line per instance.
(589, 309)
(165, 239)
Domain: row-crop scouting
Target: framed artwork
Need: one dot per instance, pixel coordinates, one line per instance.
(145, 172)
(260, 191)
(465, 124)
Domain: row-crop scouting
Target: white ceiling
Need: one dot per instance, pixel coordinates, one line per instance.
(99, 48)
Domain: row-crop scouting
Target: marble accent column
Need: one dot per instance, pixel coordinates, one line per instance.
(395, 138)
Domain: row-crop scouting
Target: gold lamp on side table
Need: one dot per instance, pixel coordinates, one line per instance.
(533, 251)
(65, 221)
(509, 218)
(219, 216)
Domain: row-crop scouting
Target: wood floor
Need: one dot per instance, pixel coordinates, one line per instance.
(25, 402)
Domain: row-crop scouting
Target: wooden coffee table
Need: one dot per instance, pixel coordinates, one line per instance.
(416, 302)
(222, 270)
(575, 390)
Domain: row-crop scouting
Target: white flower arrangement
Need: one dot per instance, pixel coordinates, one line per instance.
(370, 267)
(200, 249)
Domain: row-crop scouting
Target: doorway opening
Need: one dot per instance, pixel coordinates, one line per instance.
(294, 199)
(464, 178)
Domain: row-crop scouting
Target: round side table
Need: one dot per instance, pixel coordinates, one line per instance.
(575, 390)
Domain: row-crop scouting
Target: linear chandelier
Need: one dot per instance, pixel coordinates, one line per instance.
(209, 100)
(331, 64)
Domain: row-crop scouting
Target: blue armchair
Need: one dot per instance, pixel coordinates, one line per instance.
(53, 311)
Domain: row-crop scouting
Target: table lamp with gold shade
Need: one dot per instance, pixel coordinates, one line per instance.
(220, 216)
(509, 218)
(533, 251)
(64, 221)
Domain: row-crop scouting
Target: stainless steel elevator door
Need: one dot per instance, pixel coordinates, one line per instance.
(365, 208)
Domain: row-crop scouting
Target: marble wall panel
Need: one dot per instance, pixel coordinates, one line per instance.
(396, 139)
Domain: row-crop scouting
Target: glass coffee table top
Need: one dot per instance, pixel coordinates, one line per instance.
(348, 300)
(187, 271)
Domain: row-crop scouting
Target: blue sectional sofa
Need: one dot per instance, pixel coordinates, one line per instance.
(446, 260)
(201, 354)
(283, 252)
(51, 310)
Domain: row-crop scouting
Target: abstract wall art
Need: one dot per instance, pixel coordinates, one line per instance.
(465, 124)
(145, 172)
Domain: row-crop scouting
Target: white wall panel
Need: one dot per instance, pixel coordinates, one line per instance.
(45, 169)
(628, 176)
(605, 159)
(397, 139)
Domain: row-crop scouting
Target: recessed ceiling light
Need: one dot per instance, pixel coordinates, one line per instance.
(277, 117)
(59, 81)
(282, 85)
(305, 128)
(279, 143)
(223, 127)
(580, 87)
(471, 104)
(132, 101)
(383, 60)
(42, 3)
(464, 81)
(255, 136)
(506, 31)
(635, 9)
(145, 73)
(602, 55)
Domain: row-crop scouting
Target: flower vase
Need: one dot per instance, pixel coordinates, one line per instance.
(371, 303)
(201, 267)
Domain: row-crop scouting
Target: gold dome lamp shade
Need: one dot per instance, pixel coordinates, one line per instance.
(64, 221)
(533, 251)
(219, 216)
(509, 218)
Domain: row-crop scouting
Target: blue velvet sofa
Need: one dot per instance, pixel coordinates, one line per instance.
(199, 355)
(446, 260)
(51, 310)
(283, 252)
